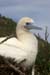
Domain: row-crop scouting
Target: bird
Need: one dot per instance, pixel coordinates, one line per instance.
(25, 46)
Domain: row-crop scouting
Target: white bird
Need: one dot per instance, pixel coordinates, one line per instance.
(25, 46)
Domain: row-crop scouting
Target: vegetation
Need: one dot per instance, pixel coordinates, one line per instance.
(7, 26)
(42, 64)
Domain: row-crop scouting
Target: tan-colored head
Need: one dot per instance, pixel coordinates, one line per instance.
(27, 23)
(24, 22)
(24, 25)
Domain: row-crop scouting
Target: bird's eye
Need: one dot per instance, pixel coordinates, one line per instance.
(27, 23)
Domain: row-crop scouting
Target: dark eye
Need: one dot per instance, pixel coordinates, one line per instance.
(27, 23)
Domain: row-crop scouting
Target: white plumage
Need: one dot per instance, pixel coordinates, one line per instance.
(25, 46)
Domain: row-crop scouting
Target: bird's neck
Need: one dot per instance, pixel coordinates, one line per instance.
(26, 38)
(29, 42)
(23, 34)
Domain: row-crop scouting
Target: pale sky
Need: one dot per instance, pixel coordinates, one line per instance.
(36, 9)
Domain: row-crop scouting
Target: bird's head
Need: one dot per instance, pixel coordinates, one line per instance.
(27, 23)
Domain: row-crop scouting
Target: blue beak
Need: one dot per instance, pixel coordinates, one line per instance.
(33, 26)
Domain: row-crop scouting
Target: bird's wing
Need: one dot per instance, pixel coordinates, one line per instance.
(12, 48)
(12, 42)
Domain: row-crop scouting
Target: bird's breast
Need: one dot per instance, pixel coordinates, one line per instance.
(30, 45)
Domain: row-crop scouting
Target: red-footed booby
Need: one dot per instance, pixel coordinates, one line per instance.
(25, 46)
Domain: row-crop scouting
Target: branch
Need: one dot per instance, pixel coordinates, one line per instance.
(16, 69)
(8, 37)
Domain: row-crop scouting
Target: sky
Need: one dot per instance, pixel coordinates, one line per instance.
(38, 10)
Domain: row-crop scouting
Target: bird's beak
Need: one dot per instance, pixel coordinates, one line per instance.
(33, 26)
